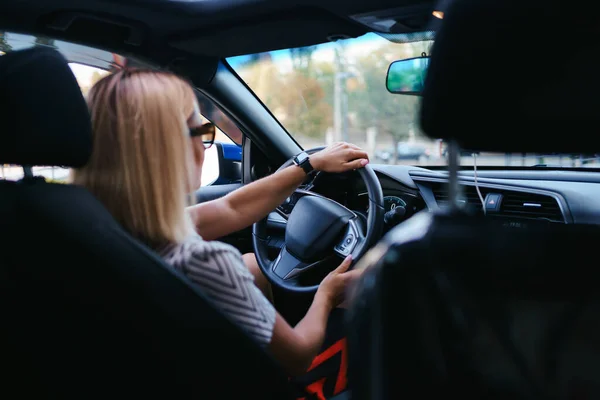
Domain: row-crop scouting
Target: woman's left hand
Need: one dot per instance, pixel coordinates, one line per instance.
(339, 157)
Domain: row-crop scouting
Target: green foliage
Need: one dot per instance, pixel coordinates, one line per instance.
(39, 41)
(307, 112)
(43, 41)
(50, 180)
(302, 59)
(295, 97)
(303, 98)
(4, 46)
(324, 73)
(391, 114)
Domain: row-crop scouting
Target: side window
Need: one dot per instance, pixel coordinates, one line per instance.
(222, 163)
(223, 160)
(86, 77)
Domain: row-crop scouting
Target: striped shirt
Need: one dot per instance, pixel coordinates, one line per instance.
(219, 270)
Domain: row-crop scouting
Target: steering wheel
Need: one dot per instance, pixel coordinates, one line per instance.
(318, 229)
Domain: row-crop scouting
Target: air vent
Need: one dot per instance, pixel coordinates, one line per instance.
(514, 204)
(530, 205)
(469, 195)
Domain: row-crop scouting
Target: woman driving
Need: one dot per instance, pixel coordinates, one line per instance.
(148, 151)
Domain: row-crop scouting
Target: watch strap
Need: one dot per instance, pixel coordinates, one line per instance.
(307, 166)
(305, 163)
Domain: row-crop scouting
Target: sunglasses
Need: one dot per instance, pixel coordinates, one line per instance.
(206, 132)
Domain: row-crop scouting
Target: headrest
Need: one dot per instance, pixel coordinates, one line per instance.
(44, 119)
(515, 76)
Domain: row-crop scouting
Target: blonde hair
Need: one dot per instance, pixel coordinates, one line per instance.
(141, 152)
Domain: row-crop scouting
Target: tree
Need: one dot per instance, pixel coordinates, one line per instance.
(4, 46)
(392, 114)
(295, 97)
(302, 59)
(43, 41)
(324, 73)
(96, 76)
(254, 59)
(265, 80)
(307, 112)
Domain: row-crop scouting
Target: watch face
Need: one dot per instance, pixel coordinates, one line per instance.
(301, 158)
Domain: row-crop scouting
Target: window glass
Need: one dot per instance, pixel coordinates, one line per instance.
(89, 65)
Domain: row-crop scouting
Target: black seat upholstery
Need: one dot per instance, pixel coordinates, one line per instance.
(454, 305)
(90, 312)
(469, 308)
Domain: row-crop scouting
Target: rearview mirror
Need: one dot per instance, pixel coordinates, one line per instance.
(407, 76)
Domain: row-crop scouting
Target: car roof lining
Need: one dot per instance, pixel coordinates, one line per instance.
(163, 30)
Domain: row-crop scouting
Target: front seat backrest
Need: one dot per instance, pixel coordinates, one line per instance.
(463, 306)
(473, 309)
(94, 313)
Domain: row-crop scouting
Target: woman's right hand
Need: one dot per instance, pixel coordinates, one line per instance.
(334, 287)
(297, 347)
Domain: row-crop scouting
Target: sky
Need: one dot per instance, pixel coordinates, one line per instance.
(323, 52)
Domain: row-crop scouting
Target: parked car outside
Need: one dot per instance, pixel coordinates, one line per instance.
(406, 151)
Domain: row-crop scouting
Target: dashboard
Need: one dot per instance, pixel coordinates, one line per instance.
(516, 197)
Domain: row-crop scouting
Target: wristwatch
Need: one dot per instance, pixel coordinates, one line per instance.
(303, 161)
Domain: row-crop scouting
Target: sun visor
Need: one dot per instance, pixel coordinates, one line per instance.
(515, 76)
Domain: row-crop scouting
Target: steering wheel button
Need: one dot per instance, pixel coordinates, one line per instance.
(349, 239)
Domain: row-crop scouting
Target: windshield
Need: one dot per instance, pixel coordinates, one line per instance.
(337, 92)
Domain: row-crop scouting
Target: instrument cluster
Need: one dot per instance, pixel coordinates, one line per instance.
(398, 206)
